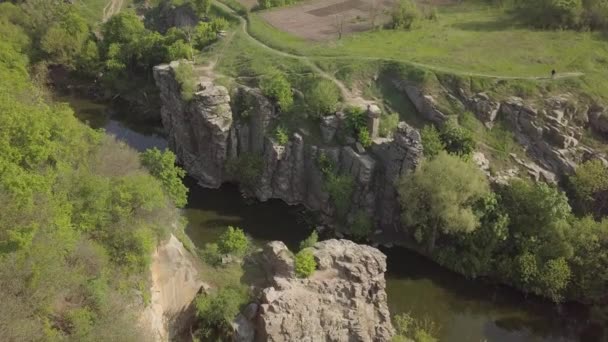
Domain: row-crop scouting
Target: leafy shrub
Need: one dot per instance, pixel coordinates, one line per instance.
(216, 312)
(388, 124)
(356, 119)
(233, 241)
(322, 97)
(590, 187)
(325, 164)
(310, 241)
(277, 87)
(364, 138)
(340, 189)
(211, 254)
(162, 166)
(184, 75)
(457, 140)
(554, 13)
(305, 263)
(405, 14)
(431, 141)
(281, 136)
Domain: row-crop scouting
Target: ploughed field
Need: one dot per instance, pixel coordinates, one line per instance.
(324, 20)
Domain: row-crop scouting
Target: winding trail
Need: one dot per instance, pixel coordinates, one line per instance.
(354, 99)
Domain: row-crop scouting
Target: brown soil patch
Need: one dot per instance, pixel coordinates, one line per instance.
(324, 19)
(321, 20)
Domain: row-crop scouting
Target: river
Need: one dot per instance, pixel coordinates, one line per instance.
(463, 310)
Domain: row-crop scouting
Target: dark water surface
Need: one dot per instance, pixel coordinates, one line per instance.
(464, 310)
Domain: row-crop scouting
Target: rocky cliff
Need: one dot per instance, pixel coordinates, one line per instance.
(549, 128)
(175, 284)
(214, 129)
(344, 299)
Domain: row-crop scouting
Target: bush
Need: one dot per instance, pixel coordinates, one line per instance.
(405, 15)
(216, 312)
(310, 241)
(340, 189)
(364, 137)
(162, 166)
(211, 254)
(184, 75)
(457, 140)
(277, 87)
(305, 263)
(554, 13)
(388, 124)
(431, 141)
(356, 119)
(322, 98)
(281, 136)
(325, 164)
(233, 241)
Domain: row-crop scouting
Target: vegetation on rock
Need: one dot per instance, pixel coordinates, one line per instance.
(233, 241)
(217, 310)
(304, 263)
(161, 165)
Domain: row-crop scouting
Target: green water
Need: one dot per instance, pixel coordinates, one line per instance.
(463, 310)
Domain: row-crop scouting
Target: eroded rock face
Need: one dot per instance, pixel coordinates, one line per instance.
(175, 284)
(212, 129)
(199, 130)
(344, 300)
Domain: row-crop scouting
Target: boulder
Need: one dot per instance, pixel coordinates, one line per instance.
(484, 108)
(344, 300)
(329, 127)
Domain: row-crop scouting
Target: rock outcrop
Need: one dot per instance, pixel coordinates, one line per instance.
(214, 130)
(344, 299)
(175, 284)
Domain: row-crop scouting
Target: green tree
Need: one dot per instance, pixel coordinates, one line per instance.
(277, 87)
(405, 14)
(554, 13)
(216, 312)
(123, 28)
(65, 39)
(322, 97)
(456, 139)
(202, 7)
(431, 141)
(589, 264)
(161, 165)
(538, 227)
(233, 241)
(305, 264)
(590, 186)
(439, 197)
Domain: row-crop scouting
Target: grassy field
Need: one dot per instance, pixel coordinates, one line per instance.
(466, 39)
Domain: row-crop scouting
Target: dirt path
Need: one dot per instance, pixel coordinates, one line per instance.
(354, 99)
(112, 8)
